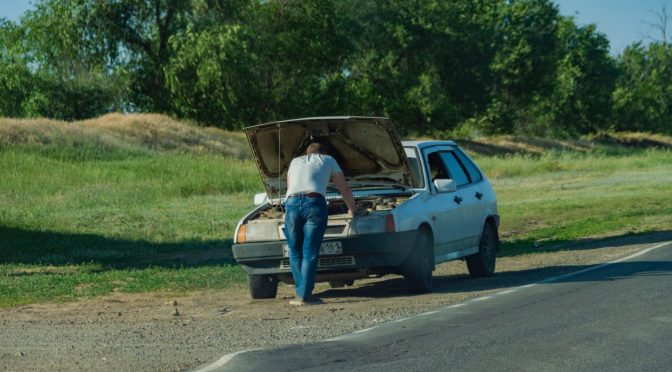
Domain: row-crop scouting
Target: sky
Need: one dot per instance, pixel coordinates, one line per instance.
(623, 21)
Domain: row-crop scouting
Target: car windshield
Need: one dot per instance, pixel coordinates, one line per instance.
(412, 155)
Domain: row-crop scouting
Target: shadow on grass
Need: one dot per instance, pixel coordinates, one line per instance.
(463, 283)
(488, 149)
(525, 246)
(536, 146)
(634, 141)
(19, 246)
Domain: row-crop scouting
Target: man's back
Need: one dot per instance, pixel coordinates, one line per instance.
(311, 173)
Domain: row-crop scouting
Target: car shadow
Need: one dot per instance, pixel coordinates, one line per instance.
(463, 283)
(459, 283)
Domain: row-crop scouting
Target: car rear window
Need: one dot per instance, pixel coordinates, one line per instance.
(474, 174)
(454, 168)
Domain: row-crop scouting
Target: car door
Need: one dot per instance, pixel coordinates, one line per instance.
(473, 203)
(448, 217)
(457, 173)
(478, 196)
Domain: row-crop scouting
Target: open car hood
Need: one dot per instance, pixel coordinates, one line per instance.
(368, 150)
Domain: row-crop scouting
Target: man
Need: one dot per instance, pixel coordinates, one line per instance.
(306, 214)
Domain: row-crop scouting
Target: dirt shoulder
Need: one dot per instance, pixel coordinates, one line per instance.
(144, 332)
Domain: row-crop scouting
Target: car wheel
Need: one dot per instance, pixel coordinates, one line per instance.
(341, 283)
(419, 264)
(263, 286)
(482, 264)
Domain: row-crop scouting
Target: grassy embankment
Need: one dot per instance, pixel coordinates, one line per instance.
(144, 203)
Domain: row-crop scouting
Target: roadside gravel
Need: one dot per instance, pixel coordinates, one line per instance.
(157, 332)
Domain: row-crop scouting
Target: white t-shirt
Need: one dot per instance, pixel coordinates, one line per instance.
(311, 173)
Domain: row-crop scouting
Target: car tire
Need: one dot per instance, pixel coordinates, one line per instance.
(341, 283)
(263, 286)
(419, 264)
(482, 264)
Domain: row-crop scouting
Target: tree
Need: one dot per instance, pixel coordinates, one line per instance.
(72, 79)
(584, 80)
(426, 64)
(661, 25)
(524, 64)
(136, 34)
(210, 77)
(300, 50)
(16, 82)
(643, 96)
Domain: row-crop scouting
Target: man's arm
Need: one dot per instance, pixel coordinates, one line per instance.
(339, 180)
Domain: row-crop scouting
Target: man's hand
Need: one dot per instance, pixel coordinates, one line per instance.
(359, 212)
(339, 181)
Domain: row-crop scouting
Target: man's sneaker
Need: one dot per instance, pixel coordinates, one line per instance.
(296, 301)
(308, 301)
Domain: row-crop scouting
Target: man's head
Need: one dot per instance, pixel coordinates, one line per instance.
(317, 148)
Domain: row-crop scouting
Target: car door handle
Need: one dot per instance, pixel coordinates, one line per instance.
(457, 199)
(479, 196)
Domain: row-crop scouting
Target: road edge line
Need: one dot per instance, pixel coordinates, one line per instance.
(602, 265)
(222, 361)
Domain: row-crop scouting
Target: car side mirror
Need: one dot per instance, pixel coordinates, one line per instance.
(260, 198)
(445, 185)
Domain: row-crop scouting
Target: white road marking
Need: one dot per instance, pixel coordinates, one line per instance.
(365, 329)
(398, 320)
(428, 313)
(223, 360)
(336, 338)
(455, 306)
(228, 357)
(596, 267)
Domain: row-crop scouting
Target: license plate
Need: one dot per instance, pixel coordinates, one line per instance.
(326, 249)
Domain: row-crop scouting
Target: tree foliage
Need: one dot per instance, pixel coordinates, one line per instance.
(467, 66)
(643, 95)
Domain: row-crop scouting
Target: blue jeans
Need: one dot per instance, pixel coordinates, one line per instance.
(305, 224)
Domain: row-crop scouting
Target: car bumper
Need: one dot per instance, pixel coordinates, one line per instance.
(364, 252)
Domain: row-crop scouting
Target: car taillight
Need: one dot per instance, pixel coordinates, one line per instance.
(389, 223)
(241, 237)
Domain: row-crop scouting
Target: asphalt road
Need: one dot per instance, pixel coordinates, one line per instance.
(615, 318)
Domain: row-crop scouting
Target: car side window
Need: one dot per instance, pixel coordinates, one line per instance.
(437, 170)
(454, 168)
(474, 174)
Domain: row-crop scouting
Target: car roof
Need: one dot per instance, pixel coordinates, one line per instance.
(428, 143)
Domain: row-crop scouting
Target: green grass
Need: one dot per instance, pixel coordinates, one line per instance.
(81, 219)
(23, 284)
(558, 199)
(111, 220)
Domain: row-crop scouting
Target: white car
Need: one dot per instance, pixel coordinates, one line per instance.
(427, 201)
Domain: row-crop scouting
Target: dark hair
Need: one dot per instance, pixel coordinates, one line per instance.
(317, 148)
